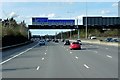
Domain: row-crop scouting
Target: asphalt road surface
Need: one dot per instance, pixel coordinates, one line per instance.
(54, 60)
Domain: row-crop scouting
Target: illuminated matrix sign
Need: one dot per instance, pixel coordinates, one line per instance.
(50, 22)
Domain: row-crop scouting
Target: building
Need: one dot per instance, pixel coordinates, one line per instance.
(52, 22)
(101, 21)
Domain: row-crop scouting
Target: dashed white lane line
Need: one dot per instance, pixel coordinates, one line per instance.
(76, 57)
(85, 65)
(45, 53)
(43, 58)
(109, 56)
(70, 52)
(38, 68)
(18, 55)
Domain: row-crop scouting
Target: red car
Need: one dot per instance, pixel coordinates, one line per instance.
(75, 45)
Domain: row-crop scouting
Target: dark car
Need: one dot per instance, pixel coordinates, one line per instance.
(115, 40)
(75, 45)
(78, 40)
(67, 42)
(63, 40)
(108, 39)
(53, 40)
(41, 42)
(56, 41)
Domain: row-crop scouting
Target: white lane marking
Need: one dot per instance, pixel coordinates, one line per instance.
(38, 68)
(106, 48)
(76, 57)
(18, 54)
(45, 53)
(70, 52)
(67, 49)
(86, 66)
(43, 58)
(109, 56)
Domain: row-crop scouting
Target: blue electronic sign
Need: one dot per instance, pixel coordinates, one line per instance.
(46, 21)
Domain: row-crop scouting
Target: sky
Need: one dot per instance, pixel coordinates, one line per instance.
(56, 10)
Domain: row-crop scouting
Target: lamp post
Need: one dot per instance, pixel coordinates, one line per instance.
(86, 20)
(78, 29)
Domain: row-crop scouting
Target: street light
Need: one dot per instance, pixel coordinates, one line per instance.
(70, 29)
(86, 19)
(78, 30)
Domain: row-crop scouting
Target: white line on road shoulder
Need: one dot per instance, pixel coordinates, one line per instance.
(86, 66)
(17, 55)
(109, 56)
(38, 68)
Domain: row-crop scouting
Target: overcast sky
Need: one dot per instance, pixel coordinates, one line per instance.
(56, 10)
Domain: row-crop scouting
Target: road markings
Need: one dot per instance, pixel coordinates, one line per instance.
(38, 68)
(67, 49)
(45, 53)
(109, 56)
(18, 55)
(86, 66)
(76, 57)
(70, 52)
(43, 58)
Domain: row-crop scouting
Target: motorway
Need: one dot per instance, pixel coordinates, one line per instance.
(54, 60)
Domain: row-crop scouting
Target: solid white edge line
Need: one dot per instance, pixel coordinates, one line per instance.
(17, 55)
(86, 66)
(38, 68)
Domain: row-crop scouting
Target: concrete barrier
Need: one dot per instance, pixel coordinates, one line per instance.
(7, 47)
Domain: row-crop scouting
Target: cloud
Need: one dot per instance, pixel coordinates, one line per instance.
(105, 12)
(13, 15)
(114, 4)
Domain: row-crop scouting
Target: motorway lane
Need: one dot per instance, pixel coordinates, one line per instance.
(99, 64)
(57, 61)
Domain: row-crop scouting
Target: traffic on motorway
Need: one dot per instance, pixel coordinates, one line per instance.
(61, 58)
